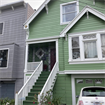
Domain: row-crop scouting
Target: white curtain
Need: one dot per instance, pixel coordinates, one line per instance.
(90, 49)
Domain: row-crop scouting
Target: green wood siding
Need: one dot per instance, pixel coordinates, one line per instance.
(63, 89)
(91, 24)
(46, 25)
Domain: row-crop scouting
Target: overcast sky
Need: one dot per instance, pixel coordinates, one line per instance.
(34, 3)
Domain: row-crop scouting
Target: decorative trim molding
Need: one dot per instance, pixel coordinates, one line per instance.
(82, 72)
(42, 39)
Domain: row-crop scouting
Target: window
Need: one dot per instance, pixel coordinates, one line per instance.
(1, 28)
(3, 58)
(90, 49)
(86, 47)
(75, 48)
(93, 92)
(68, 11)
(103, 45)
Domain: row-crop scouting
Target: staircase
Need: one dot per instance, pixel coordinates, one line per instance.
(36, 88)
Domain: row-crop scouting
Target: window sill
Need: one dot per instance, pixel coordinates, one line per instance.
(65, 23)
(86, 61)
(3, 67)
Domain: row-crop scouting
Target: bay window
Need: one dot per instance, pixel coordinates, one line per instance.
(86, 47)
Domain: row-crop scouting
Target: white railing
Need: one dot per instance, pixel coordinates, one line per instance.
(31, 66)
(20, 96)
(50, 81)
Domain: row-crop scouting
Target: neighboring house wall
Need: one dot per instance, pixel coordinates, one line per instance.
(13, 38)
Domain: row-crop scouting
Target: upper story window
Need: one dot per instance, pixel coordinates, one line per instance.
(3, 57)
(68, 11)
(1, 28)
(86, 47)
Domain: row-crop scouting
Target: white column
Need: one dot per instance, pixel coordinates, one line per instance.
(26, 59)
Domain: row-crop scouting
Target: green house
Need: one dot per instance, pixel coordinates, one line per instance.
(68, 37)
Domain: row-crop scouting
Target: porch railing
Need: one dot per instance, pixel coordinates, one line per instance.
(20, 96)
(31, 66)
(49, 84)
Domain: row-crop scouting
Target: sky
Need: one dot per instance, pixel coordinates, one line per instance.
(34, 3)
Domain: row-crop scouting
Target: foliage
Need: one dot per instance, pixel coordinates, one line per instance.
(7, 101)
(47, 99)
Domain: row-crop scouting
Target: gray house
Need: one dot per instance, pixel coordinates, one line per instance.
(12, 47)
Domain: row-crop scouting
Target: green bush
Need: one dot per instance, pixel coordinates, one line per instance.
(7, 101)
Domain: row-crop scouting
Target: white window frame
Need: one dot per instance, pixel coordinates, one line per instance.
(61, 6)
(7, 58)
(82, 59)
(3, 28)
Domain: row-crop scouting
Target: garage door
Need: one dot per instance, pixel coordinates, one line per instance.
(83, 82)
(7, 90)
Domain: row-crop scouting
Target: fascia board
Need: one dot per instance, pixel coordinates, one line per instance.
(36, 13)
(75, 20)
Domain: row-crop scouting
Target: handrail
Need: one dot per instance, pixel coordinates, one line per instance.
(20, 96)
(49, 82)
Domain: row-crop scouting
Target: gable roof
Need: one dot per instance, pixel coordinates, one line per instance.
(36, 13)
(75, 20)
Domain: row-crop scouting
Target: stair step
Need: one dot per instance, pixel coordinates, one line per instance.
(33, 93)
(37, 86)
(36, 89)
(31, 98)
(42, 79)
(27, 102)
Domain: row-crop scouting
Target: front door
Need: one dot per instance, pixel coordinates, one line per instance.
(52, 57)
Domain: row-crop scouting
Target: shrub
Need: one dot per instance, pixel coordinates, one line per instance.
(47, 99)
(7, 101)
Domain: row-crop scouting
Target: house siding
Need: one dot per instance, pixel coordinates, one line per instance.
(14, 38)
(62, 89)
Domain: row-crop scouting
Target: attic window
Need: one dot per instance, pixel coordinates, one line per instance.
(68, 11)
(1, 28)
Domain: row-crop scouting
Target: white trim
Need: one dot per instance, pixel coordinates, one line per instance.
(82, 59)
(84, 71)
(35, 14)
(61, 5)
(44, 41)
(7, 58)
(41, 39)
(86, 33)
(87, 62)
(26, 58)
(102, 71)
(75, 20)
(83, 76)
